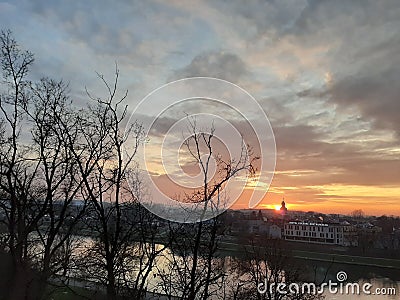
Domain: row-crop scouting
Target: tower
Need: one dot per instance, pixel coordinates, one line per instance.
(283, 208)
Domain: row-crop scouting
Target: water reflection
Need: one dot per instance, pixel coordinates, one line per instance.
(315, 271)
(377, 277)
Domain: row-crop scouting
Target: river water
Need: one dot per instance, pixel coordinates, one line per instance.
(373, 280)
(378, 283)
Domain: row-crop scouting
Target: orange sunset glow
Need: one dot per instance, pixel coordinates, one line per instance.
(327, 80)
(334, 199)
(200, 149)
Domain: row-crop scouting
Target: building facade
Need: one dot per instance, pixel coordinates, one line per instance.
(319, 233)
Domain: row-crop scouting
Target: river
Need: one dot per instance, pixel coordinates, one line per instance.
(369, 281)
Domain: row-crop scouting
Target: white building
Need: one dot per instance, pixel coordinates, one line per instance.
(319, 233)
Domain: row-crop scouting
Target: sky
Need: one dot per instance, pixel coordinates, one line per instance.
(326, 73)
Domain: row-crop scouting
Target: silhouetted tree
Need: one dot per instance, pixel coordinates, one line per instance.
(194, 271)
(265, 265)
(37, 173)
(123, 249)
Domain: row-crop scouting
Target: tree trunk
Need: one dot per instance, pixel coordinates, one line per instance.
(111, 290)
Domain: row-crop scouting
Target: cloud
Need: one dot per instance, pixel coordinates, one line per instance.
(363, 58)
(221, 65)
(375, 93)
(325, 72)
(303, 151)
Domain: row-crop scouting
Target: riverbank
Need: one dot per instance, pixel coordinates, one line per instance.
(327, 255)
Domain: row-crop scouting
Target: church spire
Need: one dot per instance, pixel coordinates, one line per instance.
(283, 208)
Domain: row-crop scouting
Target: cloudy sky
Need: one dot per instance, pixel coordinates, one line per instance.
(325, 72)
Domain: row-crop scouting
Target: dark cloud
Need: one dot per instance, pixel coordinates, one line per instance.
(364, 60)
(221, 65)
(318, 16)
(375, 93)
(302, 149)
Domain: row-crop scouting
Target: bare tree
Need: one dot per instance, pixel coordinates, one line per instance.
(194, 269)
(265, 265)
(123, 248)
(60, 182)
(358, 214)
(17, 173)
(37, 177)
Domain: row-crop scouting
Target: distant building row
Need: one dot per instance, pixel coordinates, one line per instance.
(321, 233)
